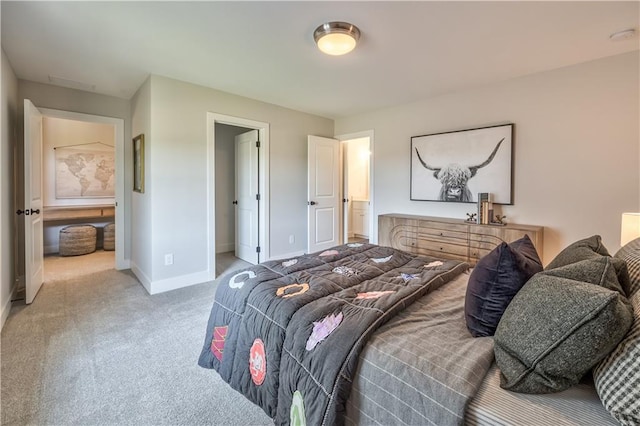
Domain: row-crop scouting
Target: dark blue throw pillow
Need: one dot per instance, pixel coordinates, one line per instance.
(495, 280)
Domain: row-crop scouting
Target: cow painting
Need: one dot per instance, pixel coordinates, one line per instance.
(454, 177)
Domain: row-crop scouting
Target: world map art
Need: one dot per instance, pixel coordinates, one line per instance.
(84, 173)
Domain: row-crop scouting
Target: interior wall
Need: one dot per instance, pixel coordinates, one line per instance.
(9, 107)
(59, 132)
(576, 148)
(141, 208)
(225, 157)
(60, 98)
(180, 160)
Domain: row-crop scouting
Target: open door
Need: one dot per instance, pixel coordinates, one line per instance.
(323, 213)
(33, 211)
(247, 196)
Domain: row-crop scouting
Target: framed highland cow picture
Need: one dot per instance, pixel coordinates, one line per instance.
(456, 166)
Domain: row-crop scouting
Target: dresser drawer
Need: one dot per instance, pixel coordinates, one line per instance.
(440, 246)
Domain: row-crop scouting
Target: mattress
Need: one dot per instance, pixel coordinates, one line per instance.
(579, 405)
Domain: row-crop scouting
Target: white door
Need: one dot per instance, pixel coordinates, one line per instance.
(247, 196)
(323, 180)
(33, 211)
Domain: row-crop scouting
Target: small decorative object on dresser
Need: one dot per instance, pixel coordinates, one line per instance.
(450, 238)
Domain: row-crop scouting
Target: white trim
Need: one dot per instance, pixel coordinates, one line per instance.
(6, 308)
(181, 281)
(373, 218)
(264, 131)
(144, 280)
(288, 255)
(118, 123)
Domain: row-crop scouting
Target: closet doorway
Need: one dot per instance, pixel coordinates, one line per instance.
(239, 195)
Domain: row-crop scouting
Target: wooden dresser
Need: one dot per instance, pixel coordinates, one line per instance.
(450, 238)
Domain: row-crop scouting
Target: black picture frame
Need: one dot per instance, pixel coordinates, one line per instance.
(455, 166)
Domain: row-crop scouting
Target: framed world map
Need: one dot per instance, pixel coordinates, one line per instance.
(84, 172)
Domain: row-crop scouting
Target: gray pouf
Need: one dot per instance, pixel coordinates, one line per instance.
(77, 239)
(109, 242)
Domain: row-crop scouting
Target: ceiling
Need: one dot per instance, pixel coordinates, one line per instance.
(265, 50)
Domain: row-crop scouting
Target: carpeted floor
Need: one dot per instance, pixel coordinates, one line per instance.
(96, 349)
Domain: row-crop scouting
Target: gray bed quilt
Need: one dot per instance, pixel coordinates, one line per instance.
(422, 367)
(287, 334)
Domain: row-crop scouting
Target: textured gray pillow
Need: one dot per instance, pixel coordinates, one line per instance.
(630, 254)
(617, 377)
(588, 248)
(557, 328)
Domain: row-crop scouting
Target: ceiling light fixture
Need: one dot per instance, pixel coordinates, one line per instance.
(622, 35)
(336, 38)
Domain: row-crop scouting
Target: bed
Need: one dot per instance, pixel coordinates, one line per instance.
(365, 334)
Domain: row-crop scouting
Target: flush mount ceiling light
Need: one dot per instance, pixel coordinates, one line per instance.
(336, 38)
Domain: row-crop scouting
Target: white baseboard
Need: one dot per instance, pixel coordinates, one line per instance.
(287, 255)
(6, 307)
(225, 247)
(175, 283)
(168, 284)
(51, 248)
(142, 277)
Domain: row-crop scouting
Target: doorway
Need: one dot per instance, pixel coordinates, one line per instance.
(356, 154)
(236, 174)
(81, 166)
(239, 199)
(358, 213)
(330, 156)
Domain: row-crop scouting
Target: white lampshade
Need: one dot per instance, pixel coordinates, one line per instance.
(630, 229)
(336, 38)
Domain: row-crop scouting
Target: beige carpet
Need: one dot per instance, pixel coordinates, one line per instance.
(59, 268)
(96, 349)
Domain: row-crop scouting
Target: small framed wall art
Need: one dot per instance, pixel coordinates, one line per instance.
(456, 166)
(138, 163)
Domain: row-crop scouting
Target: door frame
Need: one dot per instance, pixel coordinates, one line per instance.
(118, 123)
(373, 218)
(263, 173)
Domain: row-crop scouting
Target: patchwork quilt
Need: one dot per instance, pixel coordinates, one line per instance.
(287, 334)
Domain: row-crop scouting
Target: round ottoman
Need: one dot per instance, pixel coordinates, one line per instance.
(77, 239)
(109, 242)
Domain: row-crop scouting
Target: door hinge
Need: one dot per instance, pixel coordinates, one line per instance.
(257, 144)
(258, 249)
(258, 197)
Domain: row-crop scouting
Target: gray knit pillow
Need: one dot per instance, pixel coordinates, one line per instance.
(617, 377)
(587, 248)
(557, 328)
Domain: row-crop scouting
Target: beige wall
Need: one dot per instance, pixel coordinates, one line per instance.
(9, 99)
(178, 174)
(577, 143)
